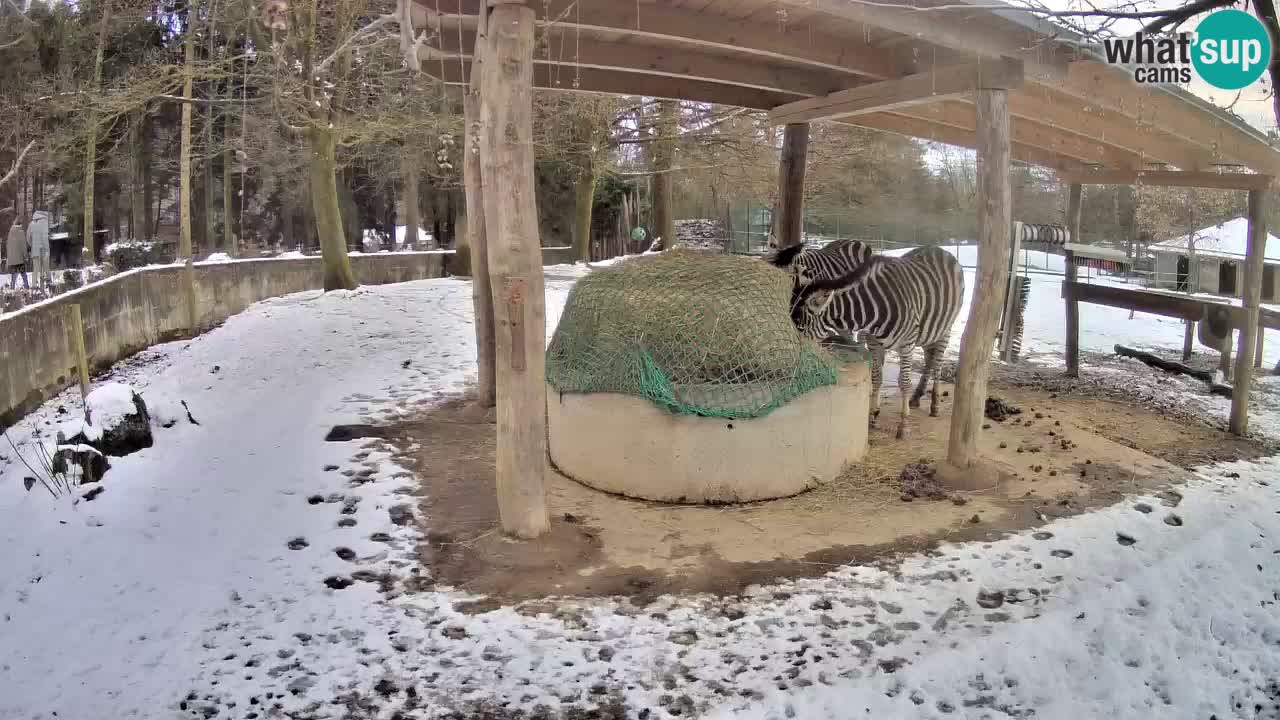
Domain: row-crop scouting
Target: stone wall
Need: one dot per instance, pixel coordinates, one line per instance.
(140, 308)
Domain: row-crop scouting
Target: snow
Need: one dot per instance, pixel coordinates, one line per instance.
(218, 257)
(1230, 239)
(371, 238)
(110, 404)
(181, 576)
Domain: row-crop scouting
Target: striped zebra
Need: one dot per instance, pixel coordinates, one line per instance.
(899, 304)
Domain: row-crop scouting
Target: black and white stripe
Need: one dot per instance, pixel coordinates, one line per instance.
(898, 304)
(835, 259)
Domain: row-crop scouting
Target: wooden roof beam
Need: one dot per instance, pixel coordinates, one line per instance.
(1084, 150)
(944, 84)
(612, 82)
(965, 29)
(919, 129)
(558, 48)
(1095, 84)
(1039, 104)
(1170, 178)
(802, 44)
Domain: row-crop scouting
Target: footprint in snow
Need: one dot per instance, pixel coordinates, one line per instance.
(1125, 540)
(1172, 519)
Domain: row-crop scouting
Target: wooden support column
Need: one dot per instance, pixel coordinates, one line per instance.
(1074, 204)
(515, 266)
(788, 222)
(962, 471)
(1188, 339)
(476, 245)
(1257, 356)
(1252, 296)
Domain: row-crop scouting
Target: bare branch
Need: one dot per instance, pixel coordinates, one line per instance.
(360, 34)
(20, 11)
(17, 164)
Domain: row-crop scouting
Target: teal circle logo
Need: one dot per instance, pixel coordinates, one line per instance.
(1232, 49)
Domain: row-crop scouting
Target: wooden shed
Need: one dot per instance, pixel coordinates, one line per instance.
(972, 73)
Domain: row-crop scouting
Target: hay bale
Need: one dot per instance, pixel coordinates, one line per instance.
(696, 333)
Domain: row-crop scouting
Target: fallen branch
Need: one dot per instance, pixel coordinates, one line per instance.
(17, 164)
(1205, 376)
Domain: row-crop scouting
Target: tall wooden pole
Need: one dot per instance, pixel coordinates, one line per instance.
(477, 246)
(984, 312)
(1074, 204)
(1252, 296)
(515, 261)
(788, 222)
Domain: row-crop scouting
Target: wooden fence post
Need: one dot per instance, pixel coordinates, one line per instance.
(76, 329)
(788, 221)
(961, 471)
(189, 290)
(515, 263)
(1074, 206)
(1252, 295)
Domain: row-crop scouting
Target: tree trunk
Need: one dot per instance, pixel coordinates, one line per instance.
(412, 214)
(664, 220)
(584, 197)
(993, 271)
(91, 142)
(137, 206)
(473, 246)
(144, 156)
(511, 220)
(324, 201)
(788, 221)
(184, 153)
(228, 211)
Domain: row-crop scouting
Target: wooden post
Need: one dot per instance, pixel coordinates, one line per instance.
(1011, 296)
(515, 261)
(476, 241)
(77, 348)
(1257, 355)
(984, 313)
(1239, 424)
(788, 221)
(1074, 205)
(1188, 339)
(189, 289)
(1224, 356)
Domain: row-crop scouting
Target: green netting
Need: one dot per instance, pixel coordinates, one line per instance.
(695, 333)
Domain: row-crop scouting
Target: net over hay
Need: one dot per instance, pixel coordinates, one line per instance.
(696, 333)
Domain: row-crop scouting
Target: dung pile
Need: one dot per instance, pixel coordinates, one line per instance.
(701, 234)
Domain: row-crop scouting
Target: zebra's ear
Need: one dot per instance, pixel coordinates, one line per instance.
(818, 301)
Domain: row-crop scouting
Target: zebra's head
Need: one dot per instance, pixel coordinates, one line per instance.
(810, 312)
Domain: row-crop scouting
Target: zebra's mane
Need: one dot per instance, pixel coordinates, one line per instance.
(852, 278)
(784, 257)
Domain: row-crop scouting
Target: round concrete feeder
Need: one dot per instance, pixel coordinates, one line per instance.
(627, 445)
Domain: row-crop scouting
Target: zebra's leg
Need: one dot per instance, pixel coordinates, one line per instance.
(939, 350)
(904, 388)
(919, 387)
(930, 359)
(877, 373)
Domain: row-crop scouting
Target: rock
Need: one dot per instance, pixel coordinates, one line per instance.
(121, 416)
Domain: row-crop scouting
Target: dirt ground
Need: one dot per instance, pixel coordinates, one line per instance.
(1059, 456)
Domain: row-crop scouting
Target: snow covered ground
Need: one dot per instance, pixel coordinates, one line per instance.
(233, 569)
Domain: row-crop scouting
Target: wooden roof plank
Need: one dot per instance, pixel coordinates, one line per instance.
(943, 84)
(1171, 178)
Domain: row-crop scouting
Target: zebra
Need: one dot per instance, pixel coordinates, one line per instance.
(899, 304)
